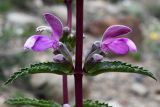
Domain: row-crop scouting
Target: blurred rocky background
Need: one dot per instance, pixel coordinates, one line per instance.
(19, 18)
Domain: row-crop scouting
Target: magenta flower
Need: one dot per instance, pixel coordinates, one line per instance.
(121, 46)
(41, 42)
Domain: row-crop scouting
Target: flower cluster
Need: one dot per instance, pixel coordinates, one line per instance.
(110, 43)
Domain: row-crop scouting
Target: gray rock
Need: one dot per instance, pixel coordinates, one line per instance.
(114, 104)
(1, 24)
(20, 18)
(2, 100)
(139, 89)
(90, 9)
(60, 11)
(104, 9)
(38, 3)
(54, 83)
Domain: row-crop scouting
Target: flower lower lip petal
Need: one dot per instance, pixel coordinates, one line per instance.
(131, 45)
(118, 47)
(30, 42)
(38, 43)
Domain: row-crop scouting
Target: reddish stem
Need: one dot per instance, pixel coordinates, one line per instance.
(69, 13)
(79, 52)
(69, 24)
(78, 90)
(65, 89)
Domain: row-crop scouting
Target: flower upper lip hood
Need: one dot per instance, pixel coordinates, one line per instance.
(55, 24)
(40, 42)
(121, 46)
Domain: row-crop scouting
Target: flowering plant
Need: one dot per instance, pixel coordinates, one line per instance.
(63, 62)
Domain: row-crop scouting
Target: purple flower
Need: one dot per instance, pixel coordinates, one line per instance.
(39, 42)
(121, 46)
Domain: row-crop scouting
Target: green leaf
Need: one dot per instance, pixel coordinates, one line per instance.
(49, 67)
(69, 41)
(90, 103)
(31, 102)
(93, 69)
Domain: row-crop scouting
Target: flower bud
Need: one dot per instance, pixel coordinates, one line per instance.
(66, 105)
(97, 58)
(64, 50)
(94, 50)
(59, 58)
(95, 46)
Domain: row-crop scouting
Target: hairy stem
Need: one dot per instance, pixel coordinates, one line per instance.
(79, 51)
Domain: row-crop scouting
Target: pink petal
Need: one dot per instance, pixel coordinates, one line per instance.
(115, 30)
(117, 46)
(55, 24)
(38, 43)
(131, 45)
